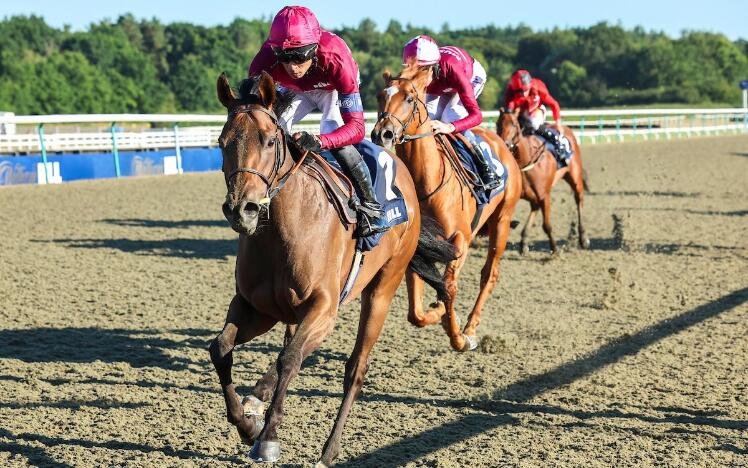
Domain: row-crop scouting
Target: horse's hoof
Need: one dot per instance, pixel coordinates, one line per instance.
(253, 406)
(471, 343)
(258, 423)
(319, 464)
(584, 243)
(524, 249)
(267, 451)
(459, 343)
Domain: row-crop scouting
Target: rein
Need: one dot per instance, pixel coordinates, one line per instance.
(280, 159)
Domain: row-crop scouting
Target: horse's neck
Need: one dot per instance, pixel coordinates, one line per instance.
(295, 201)
(298, 200)
(425, 161)
(525, 150)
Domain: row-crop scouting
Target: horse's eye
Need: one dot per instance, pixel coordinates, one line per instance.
(271, 143)
(410, 99)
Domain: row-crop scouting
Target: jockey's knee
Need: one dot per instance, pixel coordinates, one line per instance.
(347, 155)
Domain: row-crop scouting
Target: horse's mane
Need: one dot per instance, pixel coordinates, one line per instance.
(248, 95)
(412, 71)
(283, 98)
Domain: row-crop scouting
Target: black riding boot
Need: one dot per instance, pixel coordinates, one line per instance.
(559, 148)
(487, 175)
(371, 218)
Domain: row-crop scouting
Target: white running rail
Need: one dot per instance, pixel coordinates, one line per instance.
(74, 133)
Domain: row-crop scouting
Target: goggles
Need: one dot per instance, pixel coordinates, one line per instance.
(296, 55)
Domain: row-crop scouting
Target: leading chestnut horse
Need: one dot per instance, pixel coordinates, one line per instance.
(293, 259)
(540, 173)
(445, 197)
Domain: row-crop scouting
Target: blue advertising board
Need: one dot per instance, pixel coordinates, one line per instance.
(68, 167)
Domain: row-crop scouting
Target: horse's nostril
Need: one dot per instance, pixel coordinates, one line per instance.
(251, 209)
(388, 135)
(226, 208)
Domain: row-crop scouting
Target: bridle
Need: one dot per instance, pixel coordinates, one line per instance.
(514, 146)
(280, 158)
(416, 111)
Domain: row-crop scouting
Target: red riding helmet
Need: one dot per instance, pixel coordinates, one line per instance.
(293, 27)
(422, 50)
(521, 80)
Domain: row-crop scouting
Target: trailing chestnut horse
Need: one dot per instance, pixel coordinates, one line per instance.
(444, 196)
(540, 173)
(293, 259)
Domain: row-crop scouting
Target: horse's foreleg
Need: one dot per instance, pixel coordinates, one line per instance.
(416, 316)
(450, 321)
(546, 208)
(523, 247)
(498, 233)
(264, 387)
(243, 323)
(374, 305)
(317, 322)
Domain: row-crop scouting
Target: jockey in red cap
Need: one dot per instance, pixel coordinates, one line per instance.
(451, 95)
(531, 95)
(319, 68)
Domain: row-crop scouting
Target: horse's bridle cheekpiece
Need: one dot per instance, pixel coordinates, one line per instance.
(416, 111)
(280, 159)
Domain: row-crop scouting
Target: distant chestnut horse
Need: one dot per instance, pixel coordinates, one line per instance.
(293, 261)
(540, 173)
(444, 196)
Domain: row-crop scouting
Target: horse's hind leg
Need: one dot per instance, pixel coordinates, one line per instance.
(524, 248)
(375, 302)
(243, 323)
(318, 319)
(576, 182)
(416, 316)
(546, 209)
(264, 387)
(498, 233)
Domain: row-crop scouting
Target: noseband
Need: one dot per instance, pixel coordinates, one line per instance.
(280, 158)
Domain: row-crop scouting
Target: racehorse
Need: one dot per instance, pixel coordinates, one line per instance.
(445, 196)
(540, 173)
(294, 256)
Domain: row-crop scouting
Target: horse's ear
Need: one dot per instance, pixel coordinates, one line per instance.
(225, 93)
(266, 90)
(387, 75)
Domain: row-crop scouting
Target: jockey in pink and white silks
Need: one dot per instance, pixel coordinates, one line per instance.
(319, 68)
(451, 95)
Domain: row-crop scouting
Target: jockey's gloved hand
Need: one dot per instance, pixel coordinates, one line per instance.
(437, 126)
(308, 142)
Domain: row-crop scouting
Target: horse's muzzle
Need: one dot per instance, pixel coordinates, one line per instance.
(242, 216)
(383, 135)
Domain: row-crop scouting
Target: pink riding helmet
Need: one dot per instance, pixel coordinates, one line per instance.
(294, 26)
(422, 49)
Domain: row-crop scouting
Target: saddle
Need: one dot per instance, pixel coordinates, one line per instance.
(338, 188)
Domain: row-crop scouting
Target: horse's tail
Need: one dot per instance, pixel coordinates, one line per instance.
(585, 183)
(430, 251)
